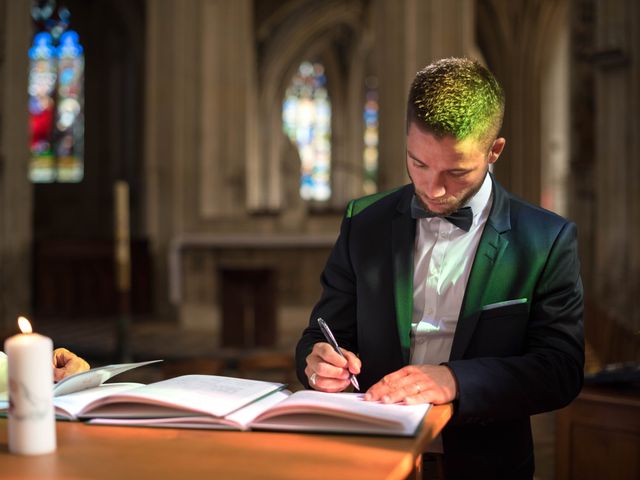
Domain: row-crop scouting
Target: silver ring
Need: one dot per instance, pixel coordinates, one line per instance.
(418, 388)
(312, 379)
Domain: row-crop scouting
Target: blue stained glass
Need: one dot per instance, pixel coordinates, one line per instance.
(69, 45)
(42, 47)
(306, 119)
(370, 116)
(56, 100)
(370, 153)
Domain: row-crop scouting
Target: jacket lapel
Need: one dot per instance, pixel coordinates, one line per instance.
(402, 245)
(483, 272)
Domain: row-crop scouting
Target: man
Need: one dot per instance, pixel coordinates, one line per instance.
(450, 289)
(64, 363)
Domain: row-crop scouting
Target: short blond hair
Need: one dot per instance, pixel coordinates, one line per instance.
(456, 97)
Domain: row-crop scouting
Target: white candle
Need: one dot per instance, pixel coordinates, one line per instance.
(122, 237)
(32, 428)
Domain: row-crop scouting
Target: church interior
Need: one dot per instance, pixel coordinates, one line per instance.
(173, 174)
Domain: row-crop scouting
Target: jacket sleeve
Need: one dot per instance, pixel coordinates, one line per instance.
(337, 304)
(549, 373)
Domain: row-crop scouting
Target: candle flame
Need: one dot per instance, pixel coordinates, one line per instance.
(25, 325)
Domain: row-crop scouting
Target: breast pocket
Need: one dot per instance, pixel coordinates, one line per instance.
(500, 331)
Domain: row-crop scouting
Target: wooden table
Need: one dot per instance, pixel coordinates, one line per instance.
(97, 452)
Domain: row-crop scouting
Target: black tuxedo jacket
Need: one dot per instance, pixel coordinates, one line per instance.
(518, 348)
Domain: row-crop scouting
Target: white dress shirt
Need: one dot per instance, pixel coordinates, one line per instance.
(443, 258)
(442, 262)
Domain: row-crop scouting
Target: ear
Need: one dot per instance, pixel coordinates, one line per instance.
(496, 149)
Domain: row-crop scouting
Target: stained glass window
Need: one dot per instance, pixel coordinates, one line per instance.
(306, 117)
(370, 154)
(56, 80)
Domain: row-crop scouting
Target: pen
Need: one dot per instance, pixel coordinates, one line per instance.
(332, 341)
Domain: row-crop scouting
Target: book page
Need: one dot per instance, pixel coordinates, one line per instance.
(342, 412)
(94, 377)
(198, 422)
(207, 394)
(246, 415)
(160, 416)
(70, 405)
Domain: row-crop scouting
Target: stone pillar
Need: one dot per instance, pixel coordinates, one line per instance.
(515, 38)
(198, 119)
(581, 183)
(15, 188)
(229, 110)
(616, 282)
(554, 133)
(164, 115)
(409, 35)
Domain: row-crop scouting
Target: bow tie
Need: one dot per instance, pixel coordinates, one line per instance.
(461, 218)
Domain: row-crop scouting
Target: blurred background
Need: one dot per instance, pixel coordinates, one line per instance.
(173, 173)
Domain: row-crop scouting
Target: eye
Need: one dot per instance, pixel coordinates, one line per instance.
(458, 173)
(418, 164)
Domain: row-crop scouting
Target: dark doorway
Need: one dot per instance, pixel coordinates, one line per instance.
(248, 298)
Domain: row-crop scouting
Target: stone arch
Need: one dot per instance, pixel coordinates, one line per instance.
(327, 31)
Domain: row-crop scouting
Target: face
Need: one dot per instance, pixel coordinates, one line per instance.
(446, 173)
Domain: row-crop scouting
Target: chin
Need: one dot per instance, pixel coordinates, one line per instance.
(444, 211)
(440, 208)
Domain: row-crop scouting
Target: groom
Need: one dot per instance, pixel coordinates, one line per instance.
(450, 289)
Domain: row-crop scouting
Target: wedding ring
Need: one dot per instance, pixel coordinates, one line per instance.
(312, 379)
(418, 388)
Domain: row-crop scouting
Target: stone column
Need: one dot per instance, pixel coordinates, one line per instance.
(581, 183)
(616, 282)
(515, 38)
(163, 117)
(199, 117)
(229, 110)
(409, 35)
(15, 188)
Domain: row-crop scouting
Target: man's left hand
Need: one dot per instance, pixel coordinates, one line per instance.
(67, 363)
(415, 384)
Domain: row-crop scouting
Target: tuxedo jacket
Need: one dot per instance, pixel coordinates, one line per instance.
(518, 348)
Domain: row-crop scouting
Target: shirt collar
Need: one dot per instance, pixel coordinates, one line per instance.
(481, 201)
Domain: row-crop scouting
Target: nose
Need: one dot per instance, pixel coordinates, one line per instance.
(434, 187)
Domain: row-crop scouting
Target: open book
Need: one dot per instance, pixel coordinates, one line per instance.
(206, 401)
(94, 377)
(89, 380)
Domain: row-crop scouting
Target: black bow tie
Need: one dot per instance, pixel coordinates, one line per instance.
(461, 218)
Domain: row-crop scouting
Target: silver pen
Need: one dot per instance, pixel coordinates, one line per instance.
(326, 331)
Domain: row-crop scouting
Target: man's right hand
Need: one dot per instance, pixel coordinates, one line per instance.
(329, 372)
